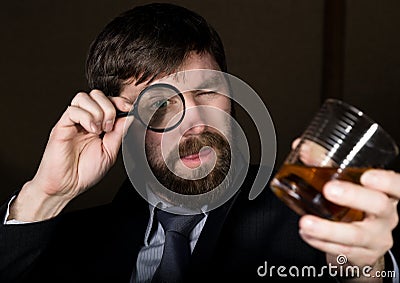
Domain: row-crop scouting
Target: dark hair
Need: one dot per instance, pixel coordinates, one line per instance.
(148, 41)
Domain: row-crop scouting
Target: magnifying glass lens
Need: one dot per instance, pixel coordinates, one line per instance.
(161, 107)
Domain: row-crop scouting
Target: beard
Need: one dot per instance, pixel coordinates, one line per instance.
(194, 184)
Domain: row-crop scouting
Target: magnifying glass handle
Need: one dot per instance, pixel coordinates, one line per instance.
(121, 114)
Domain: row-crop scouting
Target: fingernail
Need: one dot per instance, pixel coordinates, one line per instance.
(334, 189)
(93, 127)
(99, 126)
(369, 177)
(108, 126)
(127, 105)
(308, 223)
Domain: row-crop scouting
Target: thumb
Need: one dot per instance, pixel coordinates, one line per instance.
(112, 140)
(295, 143)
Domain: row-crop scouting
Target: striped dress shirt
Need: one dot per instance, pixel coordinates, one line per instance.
(149, 256)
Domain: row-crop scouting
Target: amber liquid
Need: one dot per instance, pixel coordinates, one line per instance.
(300, 187)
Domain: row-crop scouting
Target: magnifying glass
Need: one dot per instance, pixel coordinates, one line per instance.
(159, 107)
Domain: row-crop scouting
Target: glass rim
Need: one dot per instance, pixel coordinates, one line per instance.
(365, 116)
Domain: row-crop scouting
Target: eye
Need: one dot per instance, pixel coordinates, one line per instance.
(159, 104)
(210, 97)
(208, 92)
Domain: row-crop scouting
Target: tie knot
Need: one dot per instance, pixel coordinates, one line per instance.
(181, 224)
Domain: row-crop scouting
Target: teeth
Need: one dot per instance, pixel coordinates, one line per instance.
(197, 155)
(192, 156)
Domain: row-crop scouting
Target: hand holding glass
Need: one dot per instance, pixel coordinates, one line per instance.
(340, 143)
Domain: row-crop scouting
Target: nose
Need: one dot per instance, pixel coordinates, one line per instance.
(193, 122)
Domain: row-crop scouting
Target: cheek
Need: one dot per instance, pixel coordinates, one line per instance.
(155, 143)
(152, 144)
(220, 119)
(223, 103)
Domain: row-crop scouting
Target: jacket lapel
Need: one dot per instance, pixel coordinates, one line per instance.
(131, 214)
(207, 244)
(209, 236)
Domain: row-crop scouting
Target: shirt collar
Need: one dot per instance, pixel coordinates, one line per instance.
(152, 225)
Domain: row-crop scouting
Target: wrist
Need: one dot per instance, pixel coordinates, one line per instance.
(32, 205)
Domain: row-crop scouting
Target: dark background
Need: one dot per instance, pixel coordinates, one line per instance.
(293, 53)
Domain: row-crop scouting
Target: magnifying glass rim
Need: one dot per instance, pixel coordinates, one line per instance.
(164, 85)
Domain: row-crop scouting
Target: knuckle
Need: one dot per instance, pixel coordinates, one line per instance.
(389, 243)
(79, 113)
(370, 259)
(382, 205)
(110, 113)
(395, 220)
(389, 179)
(70, 109)
(345, 250)
(386, 243)
(359, 238)
(391, 173)
(54, 131)
(80, 95)
(94, 92)
(98, 116)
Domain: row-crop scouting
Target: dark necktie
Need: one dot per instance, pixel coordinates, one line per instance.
(176, 253)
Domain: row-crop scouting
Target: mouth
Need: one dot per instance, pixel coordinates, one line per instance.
(195, 160)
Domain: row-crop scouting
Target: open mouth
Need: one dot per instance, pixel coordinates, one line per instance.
(195, 160)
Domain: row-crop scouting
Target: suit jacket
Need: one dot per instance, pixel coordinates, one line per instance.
(101, 244)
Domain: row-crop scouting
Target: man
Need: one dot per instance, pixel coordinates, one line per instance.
(124, 240)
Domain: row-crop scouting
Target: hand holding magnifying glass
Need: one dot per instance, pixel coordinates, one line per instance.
(77, 143)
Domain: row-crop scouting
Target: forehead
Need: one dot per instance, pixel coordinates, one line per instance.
(194, 61)
(196, 80)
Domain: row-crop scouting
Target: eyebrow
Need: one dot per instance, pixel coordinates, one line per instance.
(209, 83)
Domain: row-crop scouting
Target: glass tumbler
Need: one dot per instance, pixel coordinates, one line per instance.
(341, 142)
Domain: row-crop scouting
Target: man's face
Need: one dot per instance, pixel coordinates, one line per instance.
(194, 157)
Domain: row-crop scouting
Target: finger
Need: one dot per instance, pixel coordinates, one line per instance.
(358, 197)
(335, 232)
(124, 105)
(295, 143)
(382, 180)
(313, 154)
(112, 140)
(358, 255)
(107, 107)
(75, 115)
(84, 101)
(121, 103)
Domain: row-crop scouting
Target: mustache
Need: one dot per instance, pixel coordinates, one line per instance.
(190, 146)
(193, 145)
